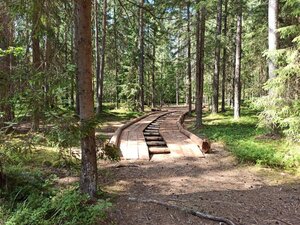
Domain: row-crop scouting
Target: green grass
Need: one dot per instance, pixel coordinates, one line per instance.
(240, 137)
(110, 114)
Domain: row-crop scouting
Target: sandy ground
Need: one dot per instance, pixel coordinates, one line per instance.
(216, 185)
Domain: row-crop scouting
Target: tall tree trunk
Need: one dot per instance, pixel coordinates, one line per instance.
(141, 55)
(76, 58)
(88, 178)
(102, 62)
(49, 48)
(5, 66)
(97, 48)
(177, 87)
(200, 39)
(189, 69)
(116, 57)
(36, 58)
(237, 72)
(73, 75)
(215, 86)
(153, 70)
(224, 58)
(273, 42)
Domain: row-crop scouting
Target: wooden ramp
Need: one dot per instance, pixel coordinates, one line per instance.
(156, 134)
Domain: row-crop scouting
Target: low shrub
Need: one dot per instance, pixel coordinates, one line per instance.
(68, 207)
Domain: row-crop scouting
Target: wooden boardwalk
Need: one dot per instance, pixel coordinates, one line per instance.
(179, 144)
(132, 140)
(133, 145)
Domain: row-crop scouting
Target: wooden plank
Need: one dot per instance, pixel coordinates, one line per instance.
(159, 150)
(156, 143)
(154, 138)
(132, 141)
(151, 134)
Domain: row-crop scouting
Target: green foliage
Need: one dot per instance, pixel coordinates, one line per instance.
(32, 198)
(15, 51)
(64, 132)
(65, 207)
(280, 110)
(109, 152)
(22, 182)
(249, 143)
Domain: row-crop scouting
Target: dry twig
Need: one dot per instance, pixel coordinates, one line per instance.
(186, 210)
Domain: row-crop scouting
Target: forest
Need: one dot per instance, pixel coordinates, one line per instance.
(73, 72)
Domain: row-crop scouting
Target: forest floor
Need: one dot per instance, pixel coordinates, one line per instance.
(217, 184)
(223, 184)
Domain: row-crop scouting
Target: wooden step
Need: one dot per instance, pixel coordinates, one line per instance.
(155, 123)
(154, 138)
(152, 128)
(150, 131)
(151, 134)
(159, 150)
(156, 143)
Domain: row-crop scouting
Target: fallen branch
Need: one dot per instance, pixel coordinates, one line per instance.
(128, 165)
(186, 210)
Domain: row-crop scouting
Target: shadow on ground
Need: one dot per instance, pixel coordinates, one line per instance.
(214, 185)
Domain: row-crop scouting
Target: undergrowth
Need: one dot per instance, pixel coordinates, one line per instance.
(31, 163)
(249, 143)
(29, 194)
(32, 200)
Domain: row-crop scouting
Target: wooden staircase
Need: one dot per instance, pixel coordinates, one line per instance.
(155, 142)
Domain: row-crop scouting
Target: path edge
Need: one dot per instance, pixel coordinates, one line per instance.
(115, 139)
(203, 144)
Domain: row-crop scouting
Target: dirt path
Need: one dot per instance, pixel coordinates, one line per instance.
(215, 185)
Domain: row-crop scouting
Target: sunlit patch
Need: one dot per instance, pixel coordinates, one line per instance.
(120, 186)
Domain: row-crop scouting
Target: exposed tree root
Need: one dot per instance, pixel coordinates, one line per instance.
(186, 210)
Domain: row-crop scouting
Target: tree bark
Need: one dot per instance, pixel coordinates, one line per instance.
(189, 69)
(237, 72)
(49, 54)
(36, 58)
(116, 57)
(97, 49)
(76, 58)
(224, 58)
(215, 85)
(272, 39)
(177, 87)
(5, 66)
(153, 70)
(88, 177)
(200, 38)
(141, 55)
(177, 72)
(102, 62)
